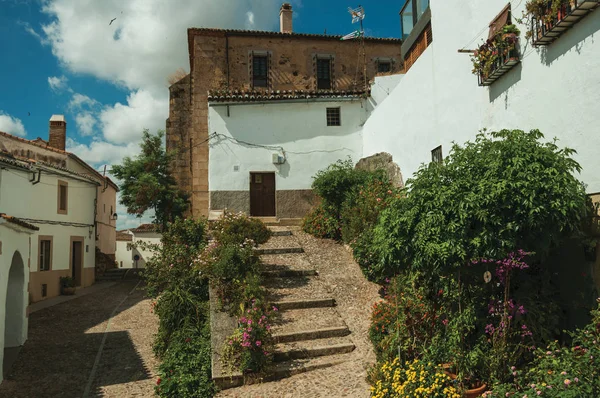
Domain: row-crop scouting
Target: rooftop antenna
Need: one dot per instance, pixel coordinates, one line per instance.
(358, 15)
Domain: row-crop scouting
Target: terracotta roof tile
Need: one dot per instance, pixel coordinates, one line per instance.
(124, 237)
(278, 95)
(146, 228)
(28, 164)
(42, 144)
(19, 222)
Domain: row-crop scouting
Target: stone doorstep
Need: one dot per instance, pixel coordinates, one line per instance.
(300, 304)
(289, 273)
(319, 351)
(304, 335)
(279, 250)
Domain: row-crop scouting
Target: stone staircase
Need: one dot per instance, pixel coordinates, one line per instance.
(112, 275)
(308, 331)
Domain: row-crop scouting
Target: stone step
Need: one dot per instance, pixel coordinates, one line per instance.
(288, 273)
(298, 320)
(312, 348)
(281, 233)
(299, 288)
(298, 366)
(279, 250)
(285, 305)
(339, 331)
(285, 369)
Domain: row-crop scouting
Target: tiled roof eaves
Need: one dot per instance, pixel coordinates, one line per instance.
(241, 32)
(70, 154)
(261, 96)
(28, 164)
(18, 222)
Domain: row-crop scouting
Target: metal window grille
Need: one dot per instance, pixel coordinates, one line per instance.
(45, 252)
(334, 117)
(384, 66)
(323, 73)
(436, 155)
(259, 70)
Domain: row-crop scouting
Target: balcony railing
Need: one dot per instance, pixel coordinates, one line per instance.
(549, 28)
(496, 59)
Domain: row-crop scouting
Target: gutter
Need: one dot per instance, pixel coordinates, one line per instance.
(283, 101)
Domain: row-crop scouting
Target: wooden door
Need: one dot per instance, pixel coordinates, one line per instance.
(77, 261)
(262, 194)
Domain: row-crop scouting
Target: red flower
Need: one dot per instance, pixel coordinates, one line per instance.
(158, 381)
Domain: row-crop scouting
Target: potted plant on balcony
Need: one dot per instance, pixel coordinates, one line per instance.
(498, 49)
(67, 286)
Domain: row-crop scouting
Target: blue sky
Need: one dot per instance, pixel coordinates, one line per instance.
(110, 81)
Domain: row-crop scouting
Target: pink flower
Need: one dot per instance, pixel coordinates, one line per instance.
(576, 380)
(567, 382)
(258, 343)
(274, 308)
(445, 322)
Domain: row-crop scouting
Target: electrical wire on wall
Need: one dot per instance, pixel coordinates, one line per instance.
(71, 186)
(50, 222)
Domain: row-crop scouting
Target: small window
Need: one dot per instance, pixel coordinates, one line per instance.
(384, 66)
(259, 70)
(104, 207)
(323, 73)
(334, 117)
(44, 289)
(45, 254)
(436, 155)
(63, 197)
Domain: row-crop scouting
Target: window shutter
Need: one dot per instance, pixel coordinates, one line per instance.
(250, 71)
(314, 60)
(500, 21)
(268, 71)
(332, 71)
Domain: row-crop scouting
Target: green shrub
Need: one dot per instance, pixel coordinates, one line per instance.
(185, 371)
(335, 182)
(504, 191)
(560, 371)
(170, 267)
(177, 309)
(237, 228)
(322, 222)
(363, 204)
(365, 255)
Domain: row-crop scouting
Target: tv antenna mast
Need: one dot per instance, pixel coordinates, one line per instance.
(358, 15)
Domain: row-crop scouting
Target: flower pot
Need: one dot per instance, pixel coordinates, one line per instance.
(67, 291)
(476, 392)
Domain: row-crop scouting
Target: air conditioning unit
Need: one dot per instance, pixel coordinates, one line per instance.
(278, 159)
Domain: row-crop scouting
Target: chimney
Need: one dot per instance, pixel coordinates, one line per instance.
(58, 132)
(285, 18)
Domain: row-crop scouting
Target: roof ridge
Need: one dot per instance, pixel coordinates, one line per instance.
(291, 34)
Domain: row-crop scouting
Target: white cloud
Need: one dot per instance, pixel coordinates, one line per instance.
(152, 35)
(79, 101)
(124, 123)
(57, 84)
(249, 20)
(85, 123)
(11, 125)
(101, 152)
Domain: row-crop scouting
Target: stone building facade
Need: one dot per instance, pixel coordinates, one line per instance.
(270, 68)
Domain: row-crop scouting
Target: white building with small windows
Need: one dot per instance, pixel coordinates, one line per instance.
(132, 250)
(47, 232)
(549, 82)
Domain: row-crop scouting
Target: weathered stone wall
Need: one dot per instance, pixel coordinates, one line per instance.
(289, 203)
(178, 131)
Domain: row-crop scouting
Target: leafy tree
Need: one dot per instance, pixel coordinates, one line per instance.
(505, 190)
(147, 183)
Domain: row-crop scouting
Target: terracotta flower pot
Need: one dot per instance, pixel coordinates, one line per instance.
(476, 392)
(67, 291)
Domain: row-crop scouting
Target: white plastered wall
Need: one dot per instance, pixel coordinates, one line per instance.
(554, 89)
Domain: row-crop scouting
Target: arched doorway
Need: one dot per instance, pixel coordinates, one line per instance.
(14, 319)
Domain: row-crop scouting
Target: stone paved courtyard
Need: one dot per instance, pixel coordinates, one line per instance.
(58, 358)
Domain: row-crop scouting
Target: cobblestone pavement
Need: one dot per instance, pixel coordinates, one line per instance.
(339, 277)
(58, 358)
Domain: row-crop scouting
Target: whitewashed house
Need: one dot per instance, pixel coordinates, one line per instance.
(46, 231)
(131, 250)
(553, 86)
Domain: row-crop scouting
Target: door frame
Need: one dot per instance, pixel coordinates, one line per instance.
(74, 239)
(251, 173)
